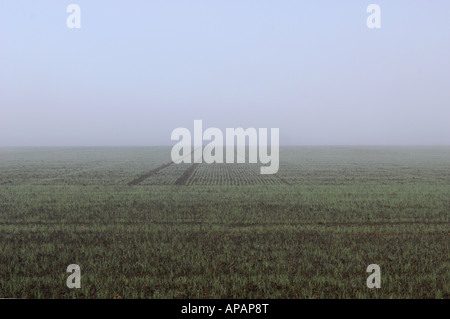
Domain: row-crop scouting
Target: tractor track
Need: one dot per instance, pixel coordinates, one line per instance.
(182, 180)
(148, 174)
(141, 178)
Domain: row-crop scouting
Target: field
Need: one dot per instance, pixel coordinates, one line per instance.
(140, 227)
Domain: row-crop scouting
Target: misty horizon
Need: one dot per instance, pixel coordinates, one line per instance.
(133, 73)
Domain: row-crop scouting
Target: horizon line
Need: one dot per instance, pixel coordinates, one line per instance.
(281, 145)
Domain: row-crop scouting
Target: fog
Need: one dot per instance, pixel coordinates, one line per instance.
(137, 70)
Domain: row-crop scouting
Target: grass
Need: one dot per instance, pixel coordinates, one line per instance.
(308, 232)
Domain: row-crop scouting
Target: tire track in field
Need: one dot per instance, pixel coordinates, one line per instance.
(148, 174)
(182, 180)
(141, 178)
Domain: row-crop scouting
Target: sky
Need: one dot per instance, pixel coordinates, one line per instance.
(137, 70)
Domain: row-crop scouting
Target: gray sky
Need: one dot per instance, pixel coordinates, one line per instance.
(136, 70)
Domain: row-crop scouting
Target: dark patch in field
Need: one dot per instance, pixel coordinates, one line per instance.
(148, 174)
(182, 180)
